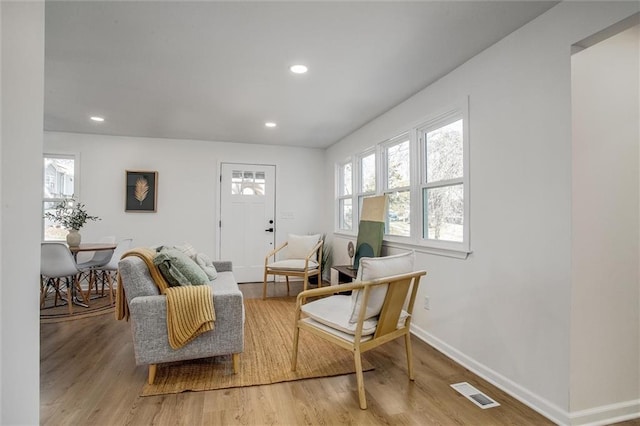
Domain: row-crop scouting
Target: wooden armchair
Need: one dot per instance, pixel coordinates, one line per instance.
(304, 260)
(371, 316)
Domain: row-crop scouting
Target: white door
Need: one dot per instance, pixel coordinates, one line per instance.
(247, 215)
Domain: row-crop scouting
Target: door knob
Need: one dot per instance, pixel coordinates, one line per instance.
(269, 229)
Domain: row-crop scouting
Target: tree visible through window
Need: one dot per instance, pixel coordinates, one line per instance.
(398, 186)
(443, 192)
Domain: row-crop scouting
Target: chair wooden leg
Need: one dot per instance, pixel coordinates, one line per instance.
(70, 287)
(236, 363)
(264, 285)
(43, 293)
(288, 288)
(152, 373)
(294, 352)
(407, 344)
(106, 275)
(360, 379)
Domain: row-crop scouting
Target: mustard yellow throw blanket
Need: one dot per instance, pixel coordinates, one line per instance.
(190, 309)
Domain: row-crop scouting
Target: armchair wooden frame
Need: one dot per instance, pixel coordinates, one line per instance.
(386, 330)
(304, 273)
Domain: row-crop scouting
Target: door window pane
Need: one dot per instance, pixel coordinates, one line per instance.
(444, 152)
(444, 213)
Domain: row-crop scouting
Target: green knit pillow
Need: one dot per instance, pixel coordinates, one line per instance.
(178, 268)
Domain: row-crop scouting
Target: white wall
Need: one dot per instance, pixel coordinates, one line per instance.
(22, 88)
(605, 320)
(505, 311)
(188, 184)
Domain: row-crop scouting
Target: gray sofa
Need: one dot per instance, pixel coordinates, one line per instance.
(148, 318)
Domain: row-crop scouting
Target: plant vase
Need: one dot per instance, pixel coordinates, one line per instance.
(73, 238)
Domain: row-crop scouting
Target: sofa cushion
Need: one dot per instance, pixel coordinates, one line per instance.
(372, 268)
(178, 268)
(299, 246)
(206, 264)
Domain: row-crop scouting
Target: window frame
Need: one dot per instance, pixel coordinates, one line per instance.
(416, 134)
(76, 185)
(436, 122)
(384, 149)
(341, 198)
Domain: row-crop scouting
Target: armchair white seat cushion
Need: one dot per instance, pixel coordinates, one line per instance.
(293, 265)
(335, 313)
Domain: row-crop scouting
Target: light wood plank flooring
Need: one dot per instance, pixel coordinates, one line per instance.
(88, 377)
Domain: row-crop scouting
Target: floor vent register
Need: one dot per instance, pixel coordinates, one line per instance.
(474, 395)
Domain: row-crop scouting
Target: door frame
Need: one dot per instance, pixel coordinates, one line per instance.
(218, 216)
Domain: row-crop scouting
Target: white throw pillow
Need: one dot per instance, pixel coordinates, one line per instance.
(372, 268)
(299, 246)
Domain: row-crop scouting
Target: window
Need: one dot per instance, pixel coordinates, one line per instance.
(425, 173)
(59, 183)
(345, 193)
(366, 177)
(443, 183)
(397, 184)
(247, 182)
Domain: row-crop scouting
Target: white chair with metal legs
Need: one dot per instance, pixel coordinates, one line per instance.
(99, 259)
(105, 271)
(56, 261)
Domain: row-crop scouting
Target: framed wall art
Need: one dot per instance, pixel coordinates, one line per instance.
(142, 191)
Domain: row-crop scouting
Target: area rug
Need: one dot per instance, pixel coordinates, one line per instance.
(266, 358)
(52, 314)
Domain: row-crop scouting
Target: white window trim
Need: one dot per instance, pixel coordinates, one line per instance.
(339, 197)
(459, 250)
(76, 182)
(448, 116)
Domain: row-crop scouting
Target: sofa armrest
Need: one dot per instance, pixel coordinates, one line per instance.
(223, 265)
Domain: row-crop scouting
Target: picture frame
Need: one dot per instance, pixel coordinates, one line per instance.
(141, 191)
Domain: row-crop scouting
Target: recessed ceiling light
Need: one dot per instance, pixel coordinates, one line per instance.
(270, 124)
(298, 69)
(96, 118)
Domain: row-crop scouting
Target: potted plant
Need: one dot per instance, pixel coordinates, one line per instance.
(71, 215)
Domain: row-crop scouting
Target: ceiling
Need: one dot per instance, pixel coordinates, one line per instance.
(217, 71)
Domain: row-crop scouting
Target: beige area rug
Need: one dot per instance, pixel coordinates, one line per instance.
(266, 358)
(52, 314)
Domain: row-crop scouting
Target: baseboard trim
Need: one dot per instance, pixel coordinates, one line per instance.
(533, 401)
(607, 414)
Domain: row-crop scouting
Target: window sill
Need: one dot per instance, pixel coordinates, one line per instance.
(437, 251)
(447, 252)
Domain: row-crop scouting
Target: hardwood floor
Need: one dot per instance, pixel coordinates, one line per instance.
(88, 377)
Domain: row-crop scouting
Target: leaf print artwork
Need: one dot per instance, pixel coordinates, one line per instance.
(141, 189)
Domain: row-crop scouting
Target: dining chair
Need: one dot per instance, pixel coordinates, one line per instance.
(56, 262)
(109, 272)
(378, 311)
(97, 260)
(303, 259)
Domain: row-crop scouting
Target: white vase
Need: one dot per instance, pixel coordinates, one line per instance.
(73, 238)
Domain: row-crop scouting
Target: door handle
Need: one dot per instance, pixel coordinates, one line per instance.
(269, 229)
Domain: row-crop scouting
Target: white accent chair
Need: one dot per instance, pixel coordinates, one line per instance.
(303, 259)
(372, 315)
(97, 260)
(109, 272)
(56, 262)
